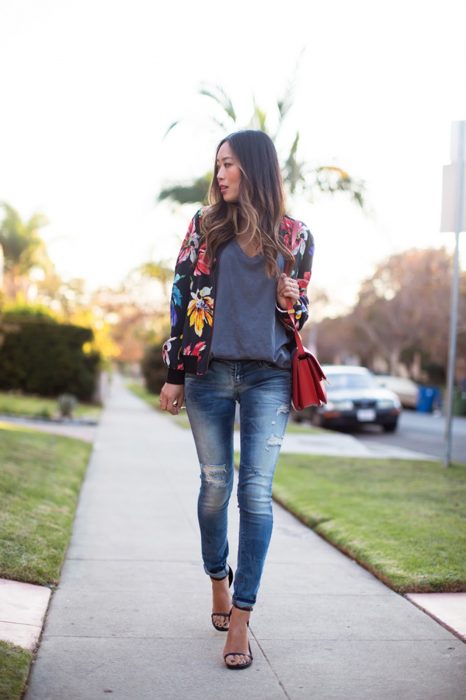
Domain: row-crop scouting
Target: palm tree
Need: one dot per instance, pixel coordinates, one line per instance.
(23, 248)
(159, 270)
(300, 178)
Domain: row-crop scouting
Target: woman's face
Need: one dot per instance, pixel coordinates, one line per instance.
(228, 173)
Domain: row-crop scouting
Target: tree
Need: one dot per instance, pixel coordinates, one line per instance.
(300, 178)
(23, 249)
(158, 270)
(403, 309)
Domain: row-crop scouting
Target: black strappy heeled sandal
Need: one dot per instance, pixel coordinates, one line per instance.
(245, 664)
(226, 616)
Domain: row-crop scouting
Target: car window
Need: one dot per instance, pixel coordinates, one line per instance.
(351, 381)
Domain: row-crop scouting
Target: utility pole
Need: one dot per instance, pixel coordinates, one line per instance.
(453, 219)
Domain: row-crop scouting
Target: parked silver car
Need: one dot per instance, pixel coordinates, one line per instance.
(406, 390)
(354, 398)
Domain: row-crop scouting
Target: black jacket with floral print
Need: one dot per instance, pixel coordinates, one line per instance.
(193, 297)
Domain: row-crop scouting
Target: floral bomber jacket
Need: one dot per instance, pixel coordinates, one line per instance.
(193, 297)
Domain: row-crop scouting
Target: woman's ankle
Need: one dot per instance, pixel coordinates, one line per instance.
(239, 615)
(220, 585)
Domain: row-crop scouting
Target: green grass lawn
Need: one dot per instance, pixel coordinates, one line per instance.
(403, 520)
(40, 407)
(40, 481)
(14, 670)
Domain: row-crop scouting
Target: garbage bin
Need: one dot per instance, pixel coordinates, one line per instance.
(426, 397)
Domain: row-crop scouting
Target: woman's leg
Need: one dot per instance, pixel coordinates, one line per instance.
(210, 405)
(265, 398)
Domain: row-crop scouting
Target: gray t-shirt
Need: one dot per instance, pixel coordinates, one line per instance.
(246, 324)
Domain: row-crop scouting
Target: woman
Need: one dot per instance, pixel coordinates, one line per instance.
(233, 260)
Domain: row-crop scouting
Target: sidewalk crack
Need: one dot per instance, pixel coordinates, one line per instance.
(280, 683)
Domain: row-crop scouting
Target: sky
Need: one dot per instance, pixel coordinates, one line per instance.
(89, 89)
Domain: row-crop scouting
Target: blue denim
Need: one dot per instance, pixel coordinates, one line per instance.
(263, 392)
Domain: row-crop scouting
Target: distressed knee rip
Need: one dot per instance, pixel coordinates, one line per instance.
(214, 474)
(274, 440)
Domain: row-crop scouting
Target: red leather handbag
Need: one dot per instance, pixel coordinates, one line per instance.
(307, 375)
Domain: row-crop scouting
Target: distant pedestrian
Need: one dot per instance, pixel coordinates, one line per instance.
(231, 341)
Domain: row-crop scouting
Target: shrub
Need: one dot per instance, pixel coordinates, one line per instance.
(47, 358)
(153, 369)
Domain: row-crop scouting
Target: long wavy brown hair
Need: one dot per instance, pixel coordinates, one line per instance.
(260, 205)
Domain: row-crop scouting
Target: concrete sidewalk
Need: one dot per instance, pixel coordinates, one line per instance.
(131, 616)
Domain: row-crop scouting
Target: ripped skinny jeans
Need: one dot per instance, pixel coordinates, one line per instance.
(263, 392)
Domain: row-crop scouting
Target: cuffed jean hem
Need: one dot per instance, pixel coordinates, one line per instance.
(218, 574)
(243, 606)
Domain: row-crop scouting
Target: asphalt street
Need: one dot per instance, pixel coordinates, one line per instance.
(423, 432)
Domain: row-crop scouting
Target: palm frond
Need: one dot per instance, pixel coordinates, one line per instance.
(172, 125)
(259, 117)
(193, 193)
(218, 94)
(331, 179)
(285, 103)
(293, 170)
(220, 123)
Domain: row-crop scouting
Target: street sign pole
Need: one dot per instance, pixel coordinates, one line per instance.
(452, 353)
(453, 218)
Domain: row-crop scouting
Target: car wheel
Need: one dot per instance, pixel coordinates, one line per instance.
(390, 427)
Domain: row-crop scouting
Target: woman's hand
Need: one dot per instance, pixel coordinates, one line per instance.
(171, 398)
(287, 288)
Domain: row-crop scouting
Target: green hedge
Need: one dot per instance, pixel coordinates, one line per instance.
(47, 358)
(153, 369)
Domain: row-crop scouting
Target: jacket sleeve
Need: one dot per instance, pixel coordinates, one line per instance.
(180, 296)
(301, 307)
